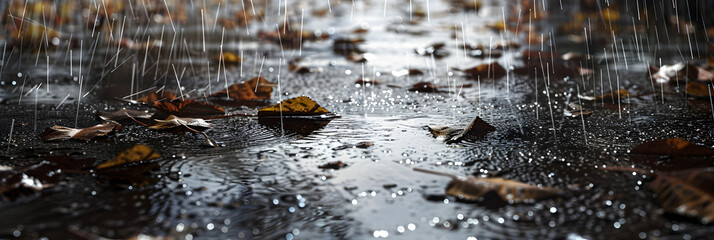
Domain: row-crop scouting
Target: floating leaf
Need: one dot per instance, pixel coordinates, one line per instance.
(123, 114)
(44, 174)
(254, 89)
(174, 121)
(673, 147)
(299, 106)
(485, 71)
(137, 153)
(696, 89)
(189, 108)
(333, 165)
(511, 191)
(63, 133)
(476, 130)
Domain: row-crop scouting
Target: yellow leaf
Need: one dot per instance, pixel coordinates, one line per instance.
(135, 154)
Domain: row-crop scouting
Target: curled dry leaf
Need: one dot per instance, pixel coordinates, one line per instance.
(137, 153)
(511, 191)
(64, 133)
(123, 114)
(485, 71)
(672, 147)
(174, 121)
(476, 130)
(299, 106)
(700, 90)
(254, 89)
(189, 108)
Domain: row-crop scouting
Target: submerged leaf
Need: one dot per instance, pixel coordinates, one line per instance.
(135, 154)
(299, 106)
(672, 146)
(64, 133)
(474, 189)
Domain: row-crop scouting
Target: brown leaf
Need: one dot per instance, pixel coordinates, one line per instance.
(174, 121)
(137, 153)
(476, 130)
(14, 184)
(189, 108)
(254, 89)
(64, 133)
(123, 114)
(686, 192)
(228, 58)
(485, 71)
(333, 165)
(696, 89)
(673, 147)
(438, 50)
(153, 97)
(537, 56)
(299, 106)
(511, 191)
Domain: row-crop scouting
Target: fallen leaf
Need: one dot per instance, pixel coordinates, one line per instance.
(153, 97)
(677, 72)
(575, 110)
(299, 106)
(485, 71)
(123, 114)
(686, 192)
(347, 46)
(227, 58)
(135, 154)
(407, 72)
(672, 147)
(511, 191)
(476, 130)
(174, 121)
(64, 133)
(368, 81)
(438, 50)
(333, 165)
(188, 108)
(47, 173)
(254, 89)
(537, 56)
(430, 87)
(696, 89)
